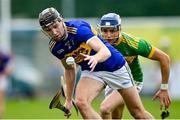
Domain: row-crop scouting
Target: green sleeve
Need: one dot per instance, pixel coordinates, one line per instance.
(144, 48)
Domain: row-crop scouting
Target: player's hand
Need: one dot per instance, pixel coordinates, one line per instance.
(68, 105)
(164, 98)
(92, 61)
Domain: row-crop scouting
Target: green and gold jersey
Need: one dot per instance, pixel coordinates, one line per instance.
(131, 47)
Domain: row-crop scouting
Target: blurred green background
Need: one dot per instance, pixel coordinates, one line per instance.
(36, 74)
(94, 8)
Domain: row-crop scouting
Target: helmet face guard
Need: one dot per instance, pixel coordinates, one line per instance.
(109, 24)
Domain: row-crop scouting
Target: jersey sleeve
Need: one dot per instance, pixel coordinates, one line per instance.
(139, 46)
(145, 49)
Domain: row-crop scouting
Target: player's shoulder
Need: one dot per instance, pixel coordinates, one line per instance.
(129, 39)
(76, 23)
(77, 26)
(128, 36)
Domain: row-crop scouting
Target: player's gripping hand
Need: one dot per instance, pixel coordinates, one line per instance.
(68, 105)
(164, 98)
(92, 61)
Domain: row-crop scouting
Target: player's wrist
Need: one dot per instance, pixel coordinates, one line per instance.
(164, 86)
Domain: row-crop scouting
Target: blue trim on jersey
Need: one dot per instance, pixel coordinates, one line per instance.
(78, 33)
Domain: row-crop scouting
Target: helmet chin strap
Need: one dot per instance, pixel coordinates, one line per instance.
(115, 40)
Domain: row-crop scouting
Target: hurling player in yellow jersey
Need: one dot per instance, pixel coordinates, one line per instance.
(131, 47)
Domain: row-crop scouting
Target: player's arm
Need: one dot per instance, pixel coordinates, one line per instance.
(163, 94)
(88, 35)
(102, 54)
(69, 74)
(164, 61)
(147, 50)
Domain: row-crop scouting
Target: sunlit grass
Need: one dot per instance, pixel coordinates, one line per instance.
(38, 109)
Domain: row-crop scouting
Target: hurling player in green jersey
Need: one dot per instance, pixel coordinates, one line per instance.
(131, 47)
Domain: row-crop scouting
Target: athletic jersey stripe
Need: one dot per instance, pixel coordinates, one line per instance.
(72, 30)
(51, 45)
(152, 52)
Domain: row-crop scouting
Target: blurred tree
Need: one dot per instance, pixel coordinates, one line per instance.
(32, 8)
(95, 8)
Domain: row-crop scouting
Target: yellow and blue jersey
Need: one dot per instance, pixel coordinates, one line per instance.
(79, 32)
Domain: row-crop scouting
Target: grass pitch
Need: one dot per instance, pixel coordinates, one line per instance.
(39, 109)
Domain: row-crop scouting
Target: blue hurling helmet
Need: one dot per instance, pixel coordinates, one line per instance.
(110, 20)
(113, 21)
